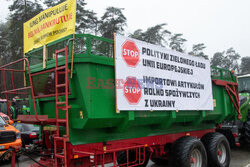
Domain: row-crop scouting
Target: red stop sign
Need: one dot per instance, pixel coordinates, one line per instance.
(132, 90)
(130, 53)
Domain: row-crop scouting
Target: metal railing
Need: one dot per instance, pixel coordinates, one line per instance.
(16, 91)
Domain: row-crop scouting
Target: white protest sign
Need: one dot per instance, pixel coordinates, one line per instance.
(156, 78)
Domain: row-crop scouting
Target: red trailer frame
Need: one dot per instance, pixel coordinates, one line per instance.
(95, 154)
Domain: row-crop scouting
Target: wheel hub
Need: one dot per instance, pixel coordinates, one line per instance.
(196, 158)
(221, 153)
(192, 160)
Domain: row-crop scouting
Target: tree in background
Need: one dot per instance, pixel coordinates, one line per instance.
(227, 59)
(156, 35)
(51, 3)
(113, 21)
(177, 42)
(4, 53)
(245, 65)
(20, 12)
(232, 60)
(138, 34)
(4, 42)
(218, 59)
(197, 50)
(86, 20)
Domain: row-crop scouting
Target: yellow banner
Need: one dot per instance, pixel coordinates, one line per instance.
(50, 25)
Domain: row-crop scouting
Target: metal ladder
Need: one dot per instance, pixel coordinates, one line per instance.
(61, 105)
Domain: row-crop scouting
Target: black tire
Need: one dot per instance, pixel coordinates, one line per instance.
(183, 150)
(245, 131)
(218, 150)
(229, 135)
(159, 161)
(122, 157)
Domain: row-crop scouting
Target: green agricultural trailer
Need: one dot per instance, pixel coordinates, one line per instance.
(71, 89)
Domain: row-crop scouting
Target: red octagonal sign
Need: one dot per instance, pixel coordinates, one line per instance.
(132, 90)
(130, 53)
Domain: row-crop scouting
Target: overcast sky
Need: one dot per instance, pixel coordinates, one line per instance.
(220, 24)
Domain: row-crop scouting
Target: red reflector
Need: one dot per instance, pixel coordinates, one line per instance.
(33, 135)
(235, 135)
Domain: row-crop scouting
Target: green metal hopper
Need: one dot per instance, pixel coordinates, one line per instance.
(92, 116)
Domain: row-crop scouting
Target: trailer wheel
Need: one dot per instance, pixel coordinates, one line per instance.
(218, 150)
(122, 158)
(188, 152)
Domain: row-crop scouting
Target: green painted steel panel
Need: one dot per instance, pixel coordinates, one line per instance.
(93, 117)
